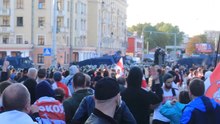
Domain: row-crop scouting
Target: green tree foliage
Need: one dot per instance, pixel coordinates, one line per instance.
(157, 39)
(190, 47)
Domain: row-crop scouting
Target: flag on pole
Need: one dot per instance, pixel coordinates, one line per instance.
(212, 85)
(120, 67)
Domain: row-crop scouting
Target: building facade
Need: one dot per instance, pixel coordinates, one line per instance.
(107, 25)
(83, 29)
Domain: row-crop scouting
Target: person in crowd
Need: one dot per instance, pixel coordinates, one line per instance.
(13, 74)
(71, 104)
(173, 109)
(57, 77)
(139, 100)
(24, 75)
(169, 93)
(5, 72)
(31, 84)
(41, 75)
(3, 85)
(201, 110)
(59, 94)
(69, 79)
(105, 73)
(122, 83)
(174, 84)
(51, 111)
(18, 76)
(107, 93)
(32, 73)
(17, 105)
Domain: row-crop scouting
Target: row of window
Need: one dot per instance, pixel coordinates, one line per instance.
(19, 39)
(41, 4)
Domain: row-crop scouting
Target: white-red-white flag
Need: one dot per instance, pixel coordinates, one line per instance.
(212, 85)
(120, 66)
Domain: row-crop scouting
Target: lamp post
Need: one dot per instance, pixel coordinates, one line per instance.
(157, 32)
(54, 31)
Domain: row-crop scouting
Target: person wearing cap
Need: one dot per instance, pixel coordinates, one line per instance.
(51, 110)
(57, 77)
(107, 99)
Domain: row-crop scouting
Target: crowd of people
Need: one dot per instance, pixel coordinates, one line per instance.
(140, 95)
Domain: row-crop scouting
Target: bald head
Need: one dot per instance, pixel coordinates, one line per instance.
(32, 73)
(16, 97)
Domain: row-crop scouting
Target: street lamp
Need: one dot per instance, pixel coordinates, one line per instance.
(157, 32)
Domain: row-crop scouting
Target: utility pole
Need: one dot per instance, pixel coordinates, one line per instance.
(71, 29)
(54, 34)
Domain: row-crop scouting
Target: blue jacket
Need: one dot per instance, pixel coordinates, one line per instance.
(202, 110)
(172, 112)
(86, 107)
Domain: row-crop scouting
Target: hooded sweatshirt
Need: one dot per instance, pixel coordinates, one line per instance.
(68, 80)
(201, 110)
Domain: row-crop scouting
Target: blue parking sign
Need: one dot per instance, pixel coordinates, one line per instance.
(47, 52)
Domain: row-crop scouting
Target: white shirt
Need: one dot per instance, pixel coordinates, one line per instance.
(167, 95)
(15, 117)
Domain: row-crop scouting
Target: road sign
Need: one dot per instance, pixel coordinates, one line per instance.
(47, 52)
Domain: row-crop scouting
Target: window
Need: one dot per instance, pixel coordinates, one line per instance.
(41, 22)
(20, 4)
(41, 40)
(40, 58)
(5, 39)
(6, 4)
(19, 21)
(68, 6)
(60, 23)
(19, 39)
(68, 23)
(60, 5)
(41, 4)
(5, 21)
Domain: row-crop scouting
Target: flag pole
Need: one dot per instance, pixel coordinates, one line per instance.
(216, 57)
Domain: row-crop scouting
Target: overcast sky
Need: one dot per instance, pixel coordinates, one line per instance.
(192, 16)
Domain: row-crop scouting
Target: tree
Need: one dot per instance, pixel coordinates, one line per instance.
(157, 39)
(190, 47)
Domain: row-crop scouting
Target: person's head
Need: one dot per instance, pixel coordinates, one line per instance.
(196, 87)
(173, 73)
(59, 94)
(73, 70)
(31, 84)
(134, 78)
(107, 91)
(19, 99)
(106, 73)
(121, 81)
(3, 85)
(57, 76)
(88, 80)
(32, 73)
(25, 71)
(42, 73)
(168, 79)
(184, 97)
(44, 89)
(79, 80)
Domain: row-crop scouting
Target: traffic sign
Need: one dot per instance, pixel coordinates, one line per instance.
(47, 52)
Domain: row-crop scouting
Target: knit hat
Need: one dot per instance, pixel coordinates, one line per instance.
(44, 89)
(57, 76)
(167, 76)
(106, 88)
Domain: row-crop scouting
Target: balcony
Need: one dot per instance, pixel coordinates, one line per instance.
(5, 29)
(4, 12)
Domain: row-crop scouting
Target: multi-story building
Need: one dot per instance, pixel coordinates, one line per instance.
(15, 34)
(81, 48)
(76, 27)
(107, 25)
